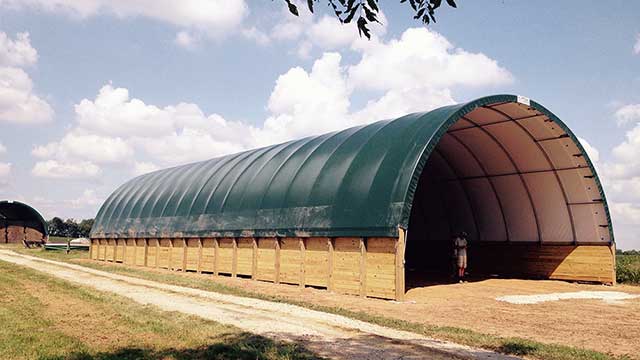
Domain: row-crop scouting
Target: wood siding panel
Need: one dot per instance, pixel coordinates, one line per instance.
(380, 269)
(225, 255)
(346, 266)
(102, 248)
(561, 262)
(290, 260)
(266, 261)
(317, 262)
(140, 252)
(192, 254)
(208, 253)
(165, 253)
(130, 252)
(177, 254)
(152, 252)
(93, 251)
(245, 256)
(119, 250)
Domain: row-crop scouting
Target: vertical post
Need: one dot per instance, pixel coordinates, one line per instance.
(216, 254)
(124, 251)
(157, 252)
(254, 264)
(277, 263)
(184, 254)
(363, 267)
(613, 268)
(330, 244)
(234, 260)
(399, 264)
(115, 249)
(170, 265)
(199, 267)
(135, 252)
(302, 261)
(146, 251)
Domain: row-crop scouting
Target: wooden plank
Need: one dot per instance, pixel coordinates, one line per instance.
(184, 255)
(130, 256)
(208, 255)
(225, 256)
(316, 261)
(290, 260)
(110, 252)
(93, 250)
(302, 261)
(254, 260)
(216, 256)
(177, 254)
(192, 254)
(199, 267)
(363, 267)
(164, 256)
(119, 250)
(152, 252)
(266, 259)
(244, 256)
(345, 274)
(140, 252)
(380, 277)
(277, 265)
(399, 265)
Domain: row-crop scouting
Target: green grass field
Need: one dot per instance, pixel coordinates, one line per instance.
(515, 346)
(46, 318)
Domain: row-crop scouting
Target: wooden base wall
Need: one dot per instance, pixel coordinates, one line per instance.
(592, 263)
(359, 266)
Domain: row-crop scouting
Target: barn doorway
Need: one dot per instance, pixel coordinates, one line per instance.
(522, 188)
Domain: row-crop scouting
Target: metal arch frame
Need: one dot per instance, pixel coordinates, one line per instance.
(551, 165)
(515, 166)
(464, 190)
(489, 179)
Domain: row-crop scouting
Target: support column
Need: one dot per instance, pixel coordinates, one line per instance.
(302, 261)
(330, 275)
(234, 261)
(399, 264)
(199, 266)
(216, 255)
(254, 260)
(146, 251)
(363, 267)
(277, 264)
(184, 254)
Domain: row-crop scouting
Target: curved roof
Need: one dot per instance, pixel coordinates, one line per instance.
(16, 212)
(356, 182)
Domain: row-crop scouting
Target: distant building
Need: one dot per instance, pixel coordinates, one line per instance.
(20, 222)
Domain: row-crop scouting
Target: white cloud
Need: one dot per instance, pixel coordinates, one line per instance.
(213, 17)
(186, 40)
(18, 52)
(96, 148)
(54, 169)
(592, 152)
(3, 149)
(423, 58)
(628, 114)
(256, 35)
(18, 102)
(636, 47)
(5, 173)
(87, 199)
(143, 167)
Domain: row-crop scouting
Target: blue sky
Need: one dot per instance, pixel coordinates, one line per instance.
(195, 79)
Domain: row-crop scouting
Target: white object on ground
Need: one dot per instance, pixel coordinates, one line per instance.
(608, 296)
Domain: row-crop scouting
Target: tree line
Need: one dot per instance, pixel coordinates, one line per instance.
(69, 228)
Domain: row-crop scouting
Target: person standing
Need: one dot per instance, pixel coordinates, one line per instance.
(460, 251)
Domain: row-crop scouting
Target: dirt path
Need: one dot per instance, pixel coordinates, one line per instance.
(327, 334)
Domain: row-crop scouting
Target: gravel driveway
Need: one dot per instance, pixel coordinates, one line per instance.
(328, 335)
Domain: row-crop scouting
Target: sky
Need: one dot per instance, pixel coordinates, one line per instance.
(95, 92)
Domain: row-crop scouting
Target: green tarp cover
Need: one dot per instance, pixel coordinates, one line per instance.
(15, 212)
(355, 182)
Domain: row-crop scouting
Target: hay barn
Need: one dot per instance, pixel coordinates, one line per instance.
(371, 209)
(21, 223)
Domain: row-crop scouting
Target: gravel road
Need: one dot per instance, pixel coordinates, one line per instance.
(326, 334)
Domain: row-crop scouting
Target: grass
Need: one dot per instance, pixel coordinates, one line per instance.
(46, 318)
(59, 239)
(514, 346)
(628, 268)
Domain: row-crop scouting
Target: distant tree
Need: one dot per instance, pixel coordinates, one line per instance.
(366, 11)
(85, 227)
(56, 227)
(71, 228)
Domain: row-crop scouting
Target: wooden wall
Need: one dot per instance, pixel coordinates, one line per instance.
(16, 234)
(593, 263)
(358, 266)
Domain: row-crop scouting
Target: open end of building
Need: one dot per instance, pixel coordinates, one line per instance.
(20, 223)
(370, 208)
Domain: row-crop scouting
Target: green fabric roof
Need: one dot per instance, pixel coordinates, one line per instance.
(15, 212)
(355, 182)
